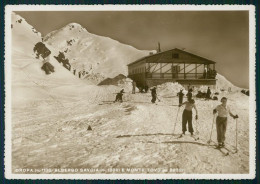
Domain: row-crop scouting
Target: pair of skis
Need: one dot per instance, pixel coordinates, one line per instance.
(223, 149)
(193, 136)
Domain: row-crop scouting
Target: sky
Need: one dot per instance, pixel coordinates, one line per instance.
(221, 36)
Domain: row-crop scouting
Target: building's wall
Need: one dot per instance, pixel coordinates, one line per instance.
(148, 72)
(137, 68)
(154, 82)
(139, 79)
(136, 72)
(166, 68)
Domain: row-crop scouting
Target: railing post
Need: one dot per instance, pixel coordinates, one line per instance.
(196, 71)
(184, 71)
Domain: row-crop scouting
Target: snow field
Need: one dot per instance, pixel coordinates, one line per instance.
(131, 134)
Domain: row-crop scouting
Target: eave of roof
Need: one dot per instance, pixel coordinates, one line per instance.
(145, 57)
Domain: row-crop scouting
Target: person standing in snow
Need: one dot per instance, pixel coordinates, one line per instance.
(187, 115)
(180, 94)
(205, 73)
(208, 94)
(119, 96)
(146, 88)
(221, 122)
(154, 94)
(188, 87)
(189, 94)
(134, 86)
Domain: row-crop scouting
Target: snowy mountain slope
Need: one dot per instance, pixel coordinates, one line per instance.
(101, 55)
(223, 83)
(29, 82)
(30, 85)
(104, 55)
(95, 54)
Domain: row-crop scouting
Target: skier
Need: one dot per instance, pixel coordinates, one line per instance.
(188, 87)
(119, 96)
(154, 94)
(189, 94)
(187, 115)
(208, 94)
(221, 122)
(146, 88)
(134, 86)
(180, 94)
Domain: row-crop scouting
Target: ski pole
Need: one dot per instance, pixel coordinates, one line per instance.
(236, 134)
(197, 125)
(176, 119)
(211, 129)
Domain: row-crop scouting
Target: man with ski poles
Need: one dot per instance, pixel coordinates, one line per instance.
(221, 122)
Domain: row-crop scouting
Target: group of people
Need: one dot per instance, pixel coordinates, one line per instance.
(209, 73)
(222, 110)
(221, 121)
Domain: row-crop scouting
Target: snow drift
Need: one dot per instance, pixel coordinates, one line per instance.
(224, 84)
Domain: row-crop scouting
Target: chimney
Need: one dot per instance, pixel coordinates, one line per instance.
(159, 48)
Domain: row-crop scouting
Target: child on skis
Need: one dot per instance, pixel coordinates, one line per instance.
(221, 122)
(187, 115)
(119, 96)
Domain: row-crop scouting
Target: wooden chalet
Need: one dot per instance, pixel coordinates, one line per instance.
(174, 65)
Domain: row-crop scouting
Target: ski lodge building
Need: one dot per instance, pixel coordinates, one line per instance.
(173, 65)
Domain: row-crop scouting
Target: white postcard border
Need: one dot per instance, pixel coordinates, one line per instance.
(252, 98)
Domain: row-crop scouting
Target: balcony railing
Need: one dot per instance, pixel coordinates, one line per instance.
(176, 76)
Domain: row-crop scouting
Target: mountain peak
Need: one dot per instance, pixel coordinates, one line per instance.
(74, 25)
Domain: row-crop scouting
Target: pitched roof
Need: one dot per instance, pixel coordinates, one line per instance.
(207, 61)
